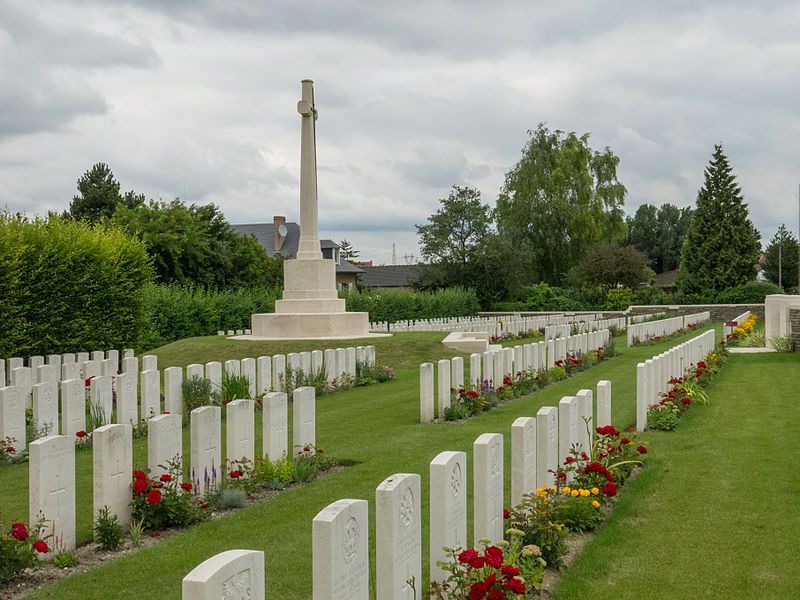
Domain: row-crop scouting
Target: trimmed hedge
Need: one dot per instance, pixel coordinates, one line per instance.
(179, 312)
(386, 304)
(66, 286)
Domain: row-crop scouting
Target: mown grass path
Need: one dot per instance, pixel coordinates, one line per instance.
(375, 427)
(716, 512)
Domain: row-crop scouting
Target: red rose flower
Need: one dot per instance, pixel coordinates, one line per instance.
(477, 591)
(496, 595)
(472, 394)
(166, 477)
(584, 456)
(41, 546)
(10, 450)
(19, 531)
(610, 489)
(641, 450)
(510, 570)
(478, 562)
(139, 486)
(235, 474)
(81, 434)
(569, 460)
(139, 474)
(466, 556)
(204, 505)
(187, 486)
(158, 485)
(593, 467)
(686, 401)
(494, 557)
(153, 497)
(506, 514)
(624, 441)
(516, 586)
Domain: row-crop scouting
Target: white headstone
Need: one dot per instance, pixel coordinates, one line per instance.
(249, 371)
(585, 419)
(499, 369)
(264, 372)
(195, 370)
(173, 390)
(488, 487)
(3, 379)
(448, 508)
(426, 404)
(371, 357)
(13, 363)
(149, 362)
(233, 368)
(568, 417)
(73, 407)
(101, 397)
(475, 369)
(130, 364)
(164, 443)
(603, 403)
(54, 360)
(127, 398)
(443, 386)
(241, 433)
(230, 575)
(34, 362)
(98, 355)
(457, 372)
(92, 368)
(546, 445)
(51, 488)
(329, 357)
(275, 425)
(214, 376)
(82, 357)
(46, 373)
(151, 393)
(398, 536)
(206, 447)
(12, 418)
(113, 468)
(113, 355)
(340, 550)
(316, 362)
(341, 362)
(22, 379)
(642, 401)
(305, 362)
(108, 367)
(45, 406)
(350, 357)
(523, 458)
(304, 418)
(67, 358)
(279, 373)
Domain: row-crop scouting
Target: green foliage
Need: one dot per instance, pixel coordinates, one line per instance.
(560, 198)
(136, 532)
(619, 299)
(453, 236)
(544, 297)
(233, 497)
(163, 503)
(651, 294)
(196, 392)
(17, 551)
(195, 245)
(659, 233)
(107, 530)
(781, 256)
(386, 304)
(65, 559)
(663, 417)
(577, 514)
(99, 195)
(611, 265)
(752, 292)
(757, 339)
(67, 286)
(721, 247)
(234, 387)
(305, 469)
(178, 312)
(347, 252)
(782, 343)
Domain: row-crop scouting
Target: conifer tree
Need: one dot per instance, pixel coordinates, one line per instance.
(781, 256)
(722, 246)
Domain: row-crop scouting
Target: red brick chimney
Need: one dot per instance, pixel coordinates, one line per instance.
(277, 238)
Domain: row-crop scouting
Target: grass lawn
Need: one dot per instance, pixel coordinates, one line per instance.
(375, 427)
(715, 514)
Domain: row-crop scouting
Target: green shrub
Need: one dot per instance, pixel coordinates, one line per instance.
(752, 292)
(386, 304)
(178, 312)
(65, 559)
(107, 530)
(67, 286)
(619, 299)
(234, 387)
(653, 295)
(578, 514)
(233, 497)
(197, 392)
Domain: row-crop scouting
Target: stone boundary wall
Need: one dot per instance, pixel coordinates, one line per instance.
(794, 320)
(719, 312)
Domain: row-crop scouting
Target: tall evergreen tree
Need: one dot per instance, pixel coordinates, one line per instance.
(721, 247)
(782, 250)
(99, 195)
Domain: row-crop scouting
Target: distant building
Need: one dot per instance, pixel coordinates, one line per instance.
(282, 238)
(666, 280)
(391, 276)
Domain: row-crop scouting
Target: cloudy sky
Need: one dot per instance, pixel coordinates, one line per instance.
(197, 99)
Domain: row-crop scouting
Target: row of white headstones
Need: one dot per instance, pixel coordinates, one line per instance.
(265, 373)
(51, 469)
(643, 332)
(653, 376)
(340, 543)
(507, 324)
(492, 367)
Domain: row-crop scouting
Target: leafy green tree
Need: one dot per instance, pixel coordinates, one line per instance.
(347, 252)
(721, 247)
(559, 199)
(659, 233)
(782, 249)
(453, 235)
(98, 195)
(611, 265)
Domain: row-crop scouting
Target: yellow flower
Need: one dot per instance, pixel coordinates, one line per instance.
(574, 493)
(565, 489)
(538, 490)
(585, 493)
(552, 488)
(596, 504)
(595, 491)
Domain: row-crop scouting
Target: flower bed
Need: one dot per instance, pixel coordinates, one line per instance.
(471, 400)
(663, 338)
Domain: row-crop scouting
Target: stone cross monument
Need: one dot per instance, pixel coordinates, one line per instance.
(310, 307)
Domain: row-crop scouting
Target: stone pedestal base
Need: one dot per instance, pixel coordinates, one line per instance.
(305, 326)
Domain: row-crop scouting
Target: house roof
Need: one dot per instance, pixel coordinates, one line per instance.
(666, 279)
(390, 276)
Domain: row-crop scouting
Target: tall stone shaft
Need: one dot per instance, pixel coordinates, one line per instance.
(308, 248)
